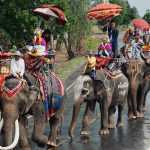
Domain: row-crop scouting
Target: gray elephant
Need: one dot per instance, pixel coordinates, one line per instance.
(14, 110)
(134, 72)
(145, 86)
(109, 93)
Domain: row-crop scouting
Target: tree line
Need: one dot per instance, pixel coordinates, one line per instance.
(17, 22)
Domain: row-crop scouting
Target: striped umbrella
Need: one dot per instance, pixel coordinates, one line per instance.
(103, 11)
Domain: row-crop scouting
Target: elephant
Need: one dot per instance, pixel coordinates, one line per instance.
(14, 110)
(109, 93)
(133, 70)
(145, 85)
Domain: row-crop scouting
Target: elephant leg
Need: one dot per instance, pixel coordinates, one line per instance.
(145, 94)
(119, 120)
(142, 98)
(130, 111)
(104, 117)
(39, 124)
(88, 117)
(54, 124)
(76, 110)
(134, 90)
(111, 120)
(24, 142)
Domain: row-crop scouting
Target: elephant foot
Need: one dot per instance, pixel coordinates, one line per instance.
(104, 132)
(140, 115)
(51, 144)
(120, 124)
(131, 116)
(111, 125)
(144, 109)
(25, 148)
(41, 142)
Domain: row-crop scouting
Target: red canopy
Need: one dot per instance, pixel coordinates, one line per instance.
(105, 6)
(140, 23)
(104, 11)
(47, 11)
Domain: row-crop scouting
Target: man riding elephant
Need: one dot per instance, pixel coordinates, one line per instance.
(133, 69)
(18, 100)
(108, 90)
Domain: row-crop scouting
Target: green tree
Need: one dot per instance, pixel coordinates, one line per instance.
(147, 16)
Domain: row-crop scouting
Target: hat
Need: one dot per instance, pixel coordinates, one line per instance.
(17, 53)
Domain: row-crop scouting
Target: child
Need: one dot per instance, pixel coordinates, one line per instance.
(90, 66)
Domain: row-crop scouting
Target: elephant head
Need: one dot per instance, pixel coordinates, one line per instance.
(83, 91)
(12, 108)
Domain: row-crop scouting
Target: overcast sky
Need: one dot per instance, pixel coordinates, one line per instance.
(142, 5)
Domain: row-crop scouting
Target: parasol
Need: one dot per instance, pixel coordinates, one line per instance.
(140, 23)
(104, 11)
(49, 10)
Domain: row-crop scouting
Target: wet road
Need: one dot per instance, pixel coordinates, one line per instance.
(135, 135)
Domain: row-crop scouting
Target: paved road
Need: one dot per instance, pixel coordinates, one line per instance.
(135, 135)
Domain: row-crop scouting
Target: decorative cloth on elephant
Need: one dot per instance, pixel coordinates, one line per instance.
(12, 91)
(101, 62)
(52, 99)
(112, 74)
(33, 63)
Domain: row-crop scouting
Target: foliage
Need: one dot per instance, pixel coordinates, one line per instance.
(147, 16)
(17, 20)
(91, 43)
(129, 13)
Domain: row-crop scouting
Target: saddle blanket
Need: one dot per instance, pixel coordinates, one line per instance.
(53, 101)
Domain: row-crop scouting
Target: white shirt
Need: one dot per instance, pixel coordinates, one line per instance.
(17, 67)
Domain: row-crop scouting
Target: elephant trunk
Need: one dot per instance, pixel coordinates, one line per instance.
(76, 110)
(8, 135)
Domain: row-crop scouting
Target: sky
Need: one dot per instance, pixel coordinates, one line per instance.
(141, 5)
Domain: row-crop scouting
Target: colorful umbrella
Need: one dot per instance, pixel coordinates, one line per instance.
(47, 11)
(105, 6)
(140, 23)
(104, 11)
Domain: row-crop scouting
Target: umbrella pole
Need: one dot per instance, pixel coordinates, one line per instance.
(105, 1)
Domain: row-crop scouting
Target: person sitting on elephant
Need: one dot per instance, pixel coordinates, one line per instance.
(17, 69)
(17, 66)
(90, 66)
(105, 48)
(39, 42)
(136, 47)
(128, 36)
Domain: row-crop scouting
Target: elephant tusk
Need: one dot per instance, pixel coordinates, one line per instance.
(1, 124)
(16, 138)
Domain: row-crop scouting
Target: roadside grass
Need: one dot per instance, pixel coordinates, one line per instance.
(66, 68)
(91, 43)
